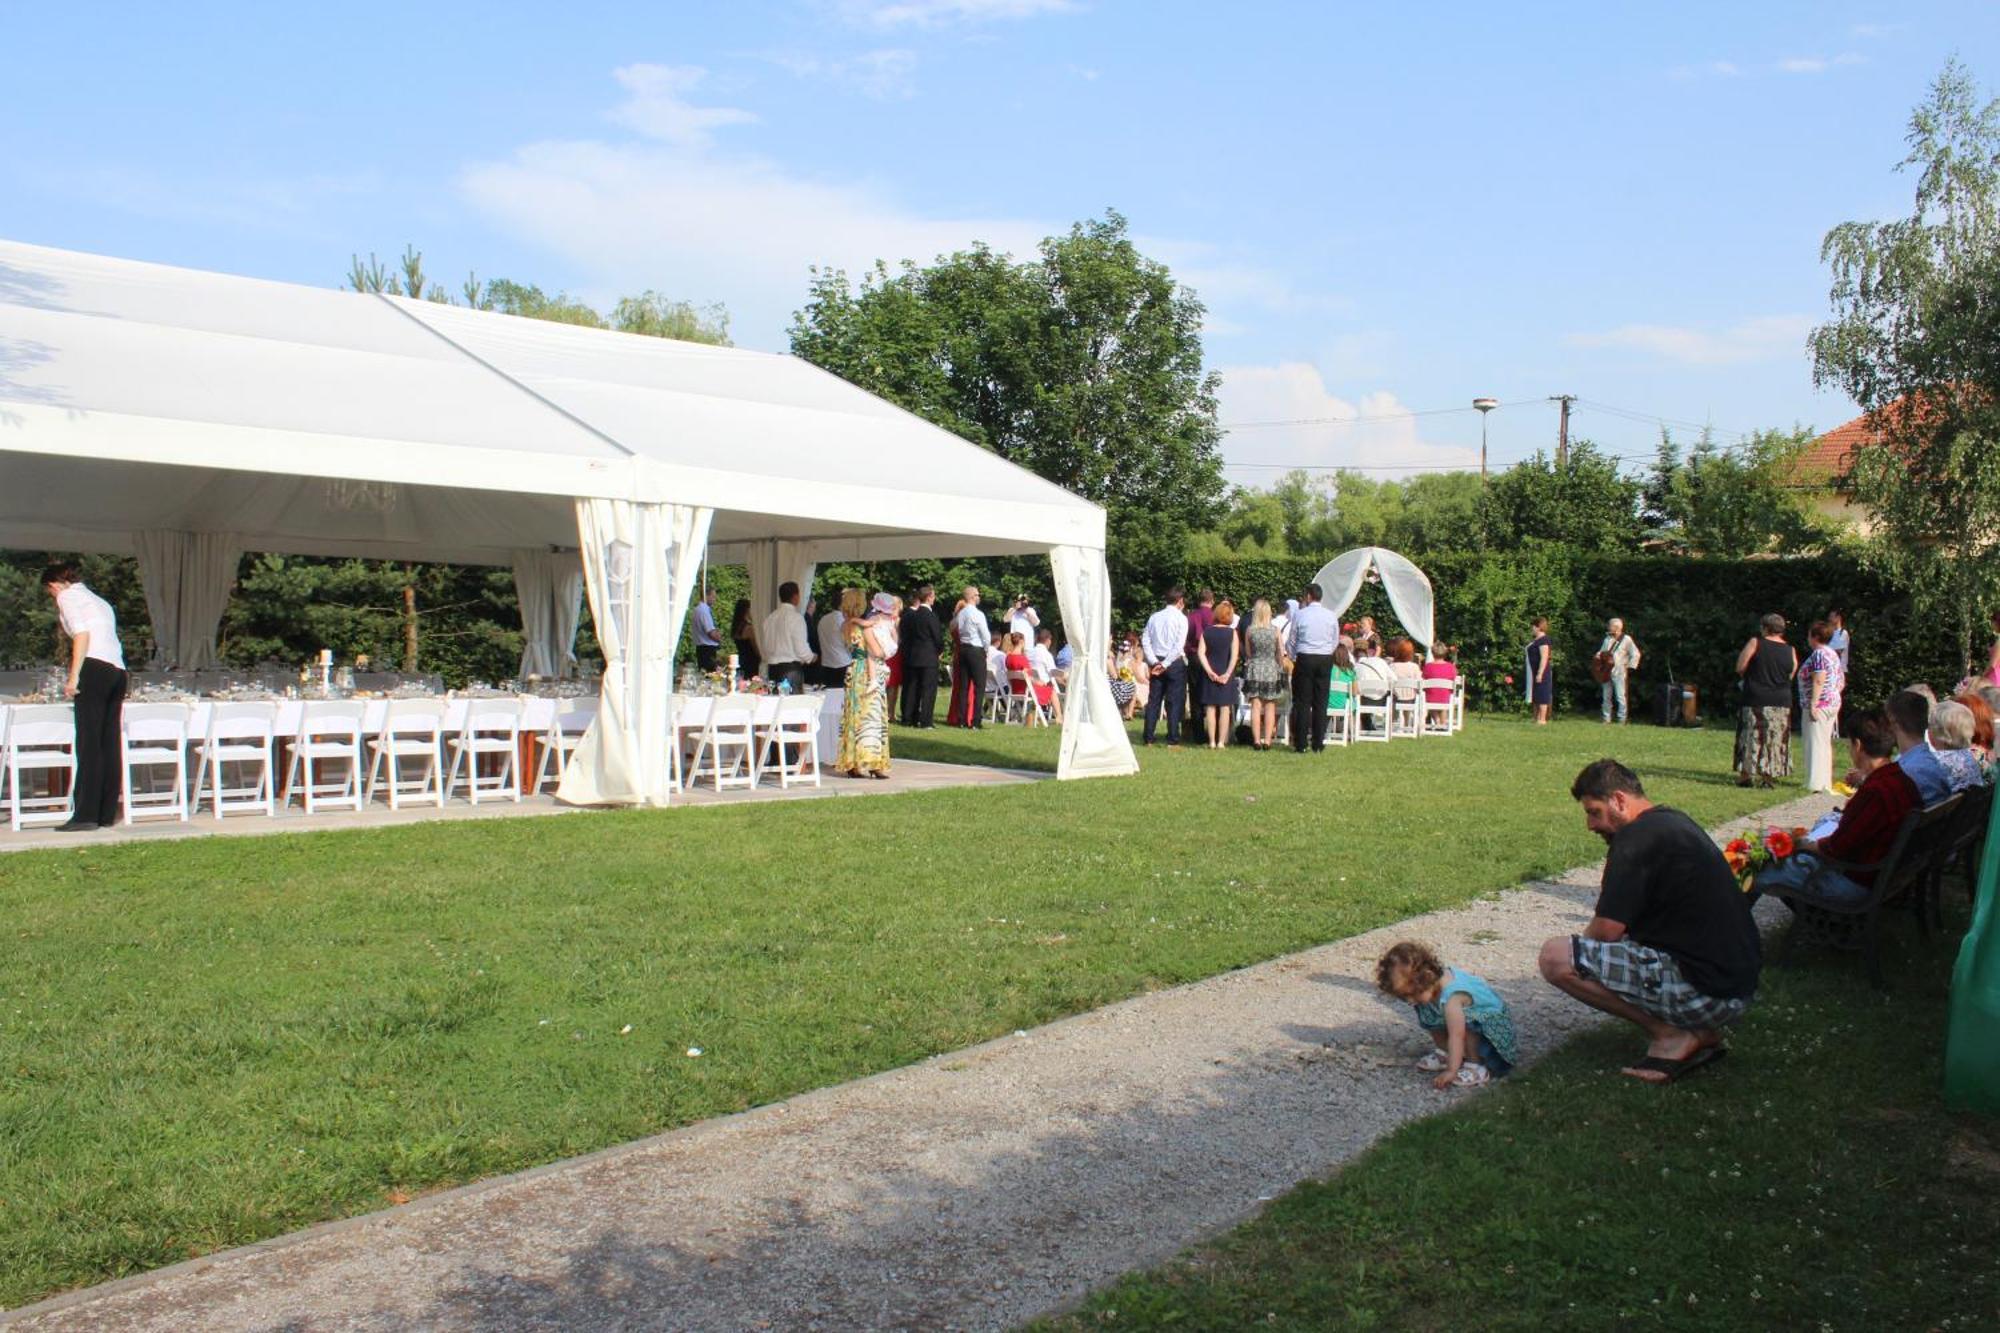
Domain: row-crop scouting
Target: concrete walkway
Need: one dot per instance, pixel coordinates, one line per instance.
(973, 1190)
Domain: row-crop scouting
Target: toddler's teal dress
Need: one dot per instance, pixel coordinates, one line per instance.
(1487, 1021)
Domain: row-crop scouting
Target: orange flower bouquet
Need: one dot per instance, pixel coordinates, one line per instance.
(1746, 858)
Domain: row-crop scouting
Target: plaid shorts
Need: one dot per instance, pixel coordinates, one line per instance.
(1652, 981)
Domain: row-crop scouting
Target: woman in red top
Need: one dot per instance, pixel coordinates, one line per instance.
(1883, 798)
(1017, 662)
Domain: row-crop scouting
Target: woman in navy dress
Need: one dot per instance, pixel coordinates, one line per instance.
(1219, 651)
(1541, 679)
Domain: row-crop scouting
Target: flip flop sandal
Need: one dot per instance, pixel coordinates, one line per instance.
(1674, 1070)
(1433, 1063)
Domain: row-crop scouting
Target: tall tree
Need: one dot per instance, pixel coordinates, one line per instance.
(1732, 502)
(1915, 340)
(1584, 503)
(1083, 365)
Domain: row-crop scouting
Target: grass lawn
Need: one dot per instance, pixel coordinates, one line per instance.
(1811, 1181)
(207, 1042)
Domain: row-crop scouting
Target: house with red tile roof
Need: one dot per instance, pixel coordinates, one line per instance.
(1821, 471)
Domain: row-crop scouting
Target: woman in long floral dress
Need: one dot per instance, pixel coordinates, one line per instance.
(864, 719)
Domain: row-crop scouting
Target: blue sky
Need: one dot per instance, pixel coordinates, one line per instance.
(1386, 212)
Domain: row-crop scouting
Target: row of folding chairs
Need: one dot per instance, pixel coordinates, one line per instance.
(1404, 709)
(332, 765)
(746, 739)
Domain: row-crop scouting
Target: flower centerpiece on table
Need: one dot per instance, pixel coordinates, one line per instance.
(1747, 858)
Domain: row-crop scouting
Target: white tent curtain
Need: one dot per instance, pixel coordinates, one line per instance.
(639, 566)
(549, 585)
(1409, 591)
(1094, 740)
(774, 563)
(187, 578)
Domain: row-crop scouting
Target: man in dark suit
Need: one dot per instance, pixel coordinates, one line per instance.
(921, 635)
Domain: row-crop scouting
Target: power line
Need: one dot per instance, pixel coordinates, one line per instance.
(1359, 420)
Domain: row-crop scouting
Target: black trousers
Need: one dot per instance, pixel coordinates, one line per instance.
(919, 694)
(1312, 676)
(100, 705)
(1197, 715)
(968, 682)
(1169, 692)
(795, 672)
(706, 656)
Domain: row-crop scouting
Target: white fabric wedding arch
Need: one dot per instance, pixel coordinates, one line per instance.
(1340, 581)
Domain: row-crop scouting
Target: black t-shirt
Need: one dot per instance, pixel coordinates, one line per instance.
(1767, 681)
(1667, 883)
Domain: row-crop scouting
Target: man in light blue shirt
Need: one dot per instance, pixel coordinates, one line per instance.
(1164, 645)
(1310, 639)
(707, 643)
(971, 636)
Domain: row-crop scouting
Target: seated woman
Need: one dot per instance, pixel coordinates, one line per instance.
(996, 663)
(1341, 686)
(1439, 673)
(1403, 661)
(1868, 825)
(1982, 727)
(1020, 670)
(1951, 739)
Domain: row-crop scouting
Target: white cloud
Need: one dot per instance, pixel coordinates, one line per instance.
(1307, 425)
(677, 212)
(1817, 64)
(1871, 31)
(1763, 338)
(939, 13)
(1721, 69)
(658, 109)
(884, 75)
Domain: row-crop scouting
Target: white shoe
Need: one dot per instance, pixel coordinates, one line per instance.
(1472, 1076)
(1434, 1062)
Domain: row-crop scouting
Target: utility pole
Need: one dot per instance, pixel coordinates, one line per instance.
(1484, 405)
(1562, 429)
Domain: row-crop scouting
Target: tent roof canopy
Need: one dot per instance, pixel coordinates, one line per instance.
(135, 396)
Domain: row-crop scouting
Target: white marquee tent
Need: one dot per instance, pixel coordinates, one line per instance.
(186, 417)
(1409, 589)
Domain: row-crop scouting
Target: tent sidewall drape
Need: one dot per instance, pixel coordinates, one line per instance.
(1094, 740)
(187, 578)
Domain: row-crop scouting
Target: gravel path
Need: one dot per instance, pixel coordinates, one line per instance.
(973, 1190)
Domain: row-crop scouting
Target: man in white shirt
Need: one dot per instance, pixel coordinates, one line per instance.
(971, 637)
(1042, 670)
(97, 682)
(1621, 656)
(1310, 639)
(707, 643)
(1164, 645)
(782, 640)
(834, 657)
(1023, 620)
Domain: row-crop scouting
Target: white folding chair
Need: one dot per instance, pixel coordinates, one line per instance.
(41, 738)
(572, 718)
(794, 728)
(411, 730)
(492, 729)
(1437, 713)
(239, 734)
(1372, 701)
(1022, 705)
(725, 752)
(1340, 721)
(1405, 709)
(329, 733)
(154, 737)
(1458, 703)
(999, 704)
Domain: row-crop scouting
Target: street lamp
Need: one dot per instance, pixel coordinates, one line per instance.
(1484, 405)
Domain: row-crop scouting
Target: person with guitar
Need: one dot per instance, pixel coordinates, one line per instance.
(1617, 658)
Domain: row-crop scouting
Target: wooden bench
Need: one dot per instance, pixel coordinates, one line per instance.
(1929, 841)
